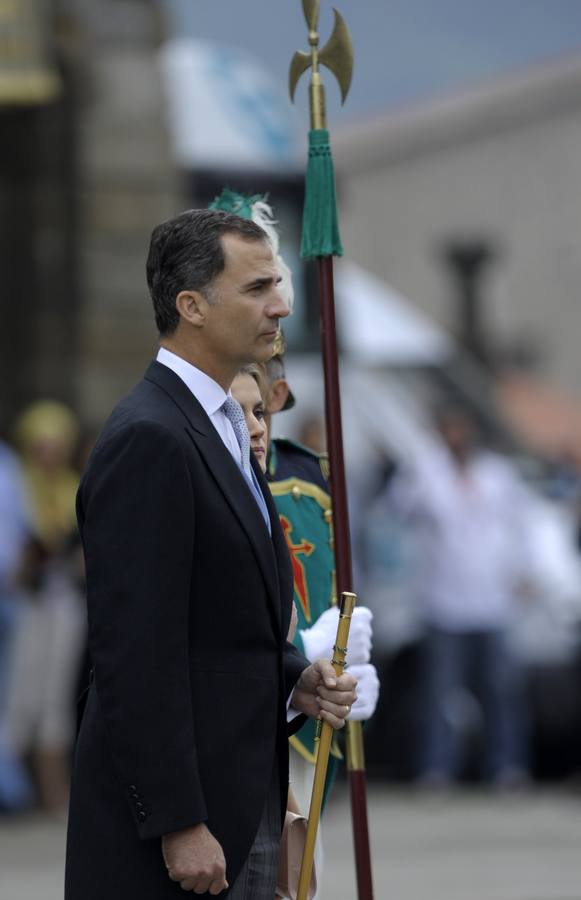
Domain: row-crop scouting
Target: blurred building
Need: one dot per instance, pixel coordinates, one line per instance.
(84, 172)
(471, 206)
(95, 149)
(127, 184)
(38, 212)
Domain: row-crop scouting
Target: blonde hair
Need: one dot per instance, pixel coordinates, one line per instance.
(258, 372)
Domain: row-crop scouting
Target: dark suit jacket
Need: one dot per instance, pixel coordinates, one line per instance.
(189, 603)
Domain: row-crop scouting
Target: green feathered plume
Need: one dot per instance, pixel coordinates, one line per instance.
(320, 223)
(233, 202)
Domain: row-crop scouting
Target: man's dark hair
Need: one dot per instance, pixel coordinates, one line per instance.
(186, 254)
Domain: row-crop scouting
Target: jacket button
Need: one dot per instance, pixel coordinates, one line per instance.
(142, 815)
(139, 804)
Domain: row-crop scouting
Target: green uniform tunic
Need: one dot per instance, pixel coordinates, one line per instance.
(298, 481)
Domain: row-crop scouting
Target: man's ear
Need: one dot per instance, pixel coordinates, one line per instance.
(192, 307)
(278, 395)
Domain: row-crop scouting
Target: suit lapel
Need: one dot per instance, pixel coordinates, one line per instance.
(227, 476)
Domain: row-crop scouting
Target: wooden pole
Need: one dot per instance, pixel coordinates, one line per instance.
(343, 565)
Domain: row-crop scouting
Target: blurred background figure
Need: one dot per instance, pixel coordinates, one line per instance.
(49, 637)
(15, 790)
(467, 510)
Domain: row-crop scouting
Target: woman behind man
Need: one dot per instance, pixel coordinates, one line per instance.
(250, 388)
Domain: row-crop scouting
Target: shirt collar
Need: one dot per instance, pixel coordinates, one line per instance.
(206, 391)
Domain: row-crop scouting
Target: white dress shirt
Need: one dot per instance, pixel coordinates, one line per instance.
(208, 393)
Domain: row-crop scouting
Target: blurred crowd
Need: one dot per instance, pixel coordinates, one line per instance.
(473, 576)
(42, 617)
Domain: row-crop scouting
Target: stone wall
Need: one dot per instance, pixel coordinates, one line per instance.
(127, 185)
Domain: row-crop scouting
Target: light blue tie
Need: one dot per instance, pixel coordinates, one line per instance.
(233, 412)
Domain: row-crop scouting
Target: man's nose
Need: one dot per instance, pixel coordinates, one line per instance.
(278, 308)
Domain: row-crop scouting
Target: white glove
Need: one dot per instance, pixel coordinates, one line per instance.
(318, 640)
(367, 692)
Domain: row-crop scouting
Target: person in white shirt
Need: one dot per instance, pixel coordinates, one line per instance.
(465, 506)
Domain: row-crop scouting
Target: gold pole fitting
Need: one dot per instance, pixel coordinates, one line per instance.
(355, 750)
(348, 602)
(317, 102)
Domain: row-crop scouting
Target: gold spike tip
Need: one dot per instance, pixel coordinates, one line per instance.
(311, 11)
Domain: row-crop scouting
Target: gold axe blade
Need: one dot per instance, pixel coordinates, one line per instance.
(299, 64)
(336, 55)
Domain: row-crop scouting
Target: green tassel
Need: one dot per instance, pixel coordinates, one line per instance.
(320, 225)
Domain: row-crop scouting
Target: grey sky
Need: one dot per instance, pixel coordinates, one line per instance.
(406, 50)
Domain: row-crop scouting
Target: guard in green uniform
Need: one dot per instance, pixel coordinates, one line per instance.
(301, 494)
(298, 479)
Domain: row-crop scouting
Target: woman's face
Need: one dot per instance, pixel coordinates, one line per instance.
(245, 390)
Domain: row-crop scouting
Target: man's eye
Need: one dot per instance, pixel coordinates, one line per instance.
(259, 413)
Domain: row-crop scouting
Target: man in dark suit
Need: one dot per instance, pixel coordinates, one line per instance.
(181, 766)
